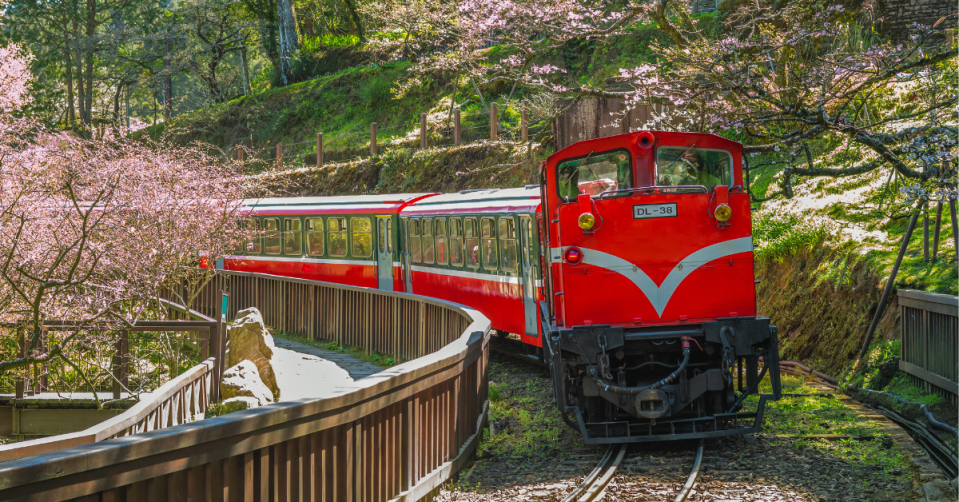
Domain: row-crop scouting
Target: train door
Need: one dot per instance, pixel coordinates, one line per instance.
(405, 255)
(384, 252)
(530, 273)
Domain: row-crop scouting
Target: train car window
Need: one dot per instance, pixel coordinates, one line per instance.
(271, 237)
(337, 236)
(361, 237)
(684, 166)
(594, 174)
(490, 255)
(314, 236)
(439, 235)
(416, 254)
(472, 243)
(507, 242)
(456, 242)
(253, 246)
(381, 236)
(427, 230)
(292, 236)
(389, 235)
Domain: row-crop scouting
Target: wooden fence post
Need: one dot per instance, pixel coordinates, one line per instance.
(456, 127)
(492, 122)
(279, 155)
(422, 130)
(319, 149)
(524, 126)
(373, 138)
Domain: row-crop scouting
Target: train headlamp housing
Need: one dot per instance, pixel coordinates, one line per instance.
(586, 221)
(723, 212)
(573, 256)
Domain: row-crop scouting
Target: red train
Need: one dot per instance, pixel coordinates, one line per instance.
(646, 312)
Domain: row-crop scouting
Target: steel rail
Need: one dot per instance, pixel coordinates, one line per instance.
(594, 483)
(691, 481)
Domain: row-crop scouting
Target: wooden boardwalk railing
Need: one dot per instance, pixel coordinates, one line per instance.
(174, 403)
(396, 435)
(930, 341)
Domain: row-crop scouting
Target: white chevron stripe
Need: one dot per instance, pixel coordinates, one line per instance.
(659, 295)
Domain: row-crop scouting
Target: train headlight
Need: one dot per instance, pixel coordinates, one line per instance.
(586, 221)
(573, 256)
(723, 212)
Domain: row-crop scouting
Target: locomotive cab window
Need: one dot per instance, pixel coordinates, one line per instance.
(337, 236)
(292, 237)
(507, 242)
(685, 166)
(427, 232)
(439, 234)
(361, 237)
(490, 258)
(416, 254)
(271, 238)
(456, 242)
(472, 243)
(314, 236)
(594, 174)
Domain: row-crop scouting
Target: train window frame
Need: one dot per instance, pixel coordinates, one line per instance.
(489, 245)
(426, 237)
(269, 235)
(311, 232)
(504, 242)
(415, 250)
(468, 249)
(335, 235)
(731, 166)
(359, 234)
(297, 236)
(619, 186)
(255, 245)
(456, 242)
(440, 246)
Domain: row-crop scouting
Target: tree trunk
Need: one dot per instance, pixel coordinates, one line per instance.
(355, 17)
(247, 85)
(289, 42)
(268, 34)
(91, 27)
(116, 108)
(71, 111)
(167, 83)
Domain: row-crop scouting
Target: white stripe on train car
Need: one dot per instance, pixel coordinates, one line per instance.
(322, 261)
(659, 295)
(467, 275)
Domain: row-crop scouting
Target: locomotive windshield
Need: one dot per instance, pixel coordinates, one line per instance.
(594, 174)
(693, 166)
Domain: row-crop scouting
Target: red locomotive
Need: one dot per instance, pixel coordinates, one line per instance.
(648, 307)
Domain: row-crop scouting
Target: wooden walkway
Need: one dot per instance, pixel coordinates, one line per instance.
(357, 368)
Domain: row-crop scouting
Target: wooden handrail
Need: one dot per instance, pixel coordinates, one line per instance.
(117, 426)
(406, 429)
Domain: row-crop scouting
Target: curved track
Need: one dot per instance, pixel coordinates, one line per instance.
(594, 483)
(691, 481)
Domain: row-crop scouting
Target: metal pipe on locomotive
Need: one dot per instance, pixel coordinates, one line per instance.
(649, 316)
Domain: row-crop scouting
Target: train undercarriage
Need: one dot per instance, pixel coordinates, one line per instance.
(664, 382)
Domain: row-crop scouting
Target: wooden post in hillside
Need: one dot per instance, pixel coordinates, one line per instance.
(492, 122)
(422, 130)
(373, 138)
(240, 154)
(279, 155)
(456, 127)
(524, 125)
(319, 149)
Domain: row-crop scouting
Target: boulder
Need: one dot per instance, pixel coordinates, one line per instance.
(244, 380)
(248, 340)
(238, 403)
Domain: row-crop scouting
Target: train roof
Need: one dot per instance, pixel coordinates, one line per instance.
(389, 203)
(523, 199)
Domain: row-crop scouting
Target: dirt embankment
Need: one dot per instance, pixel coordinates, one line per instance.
(822, 299)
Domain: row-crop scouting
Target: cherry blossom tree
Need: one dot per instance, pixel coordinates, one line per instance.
(92, 230)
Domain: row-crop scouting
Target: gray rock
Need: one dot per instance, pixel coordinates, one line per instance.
(238, 403)
(248, 340)
(243, 379)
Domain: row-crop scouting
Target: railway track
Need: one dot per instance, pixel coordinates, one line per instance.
(597, 480)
